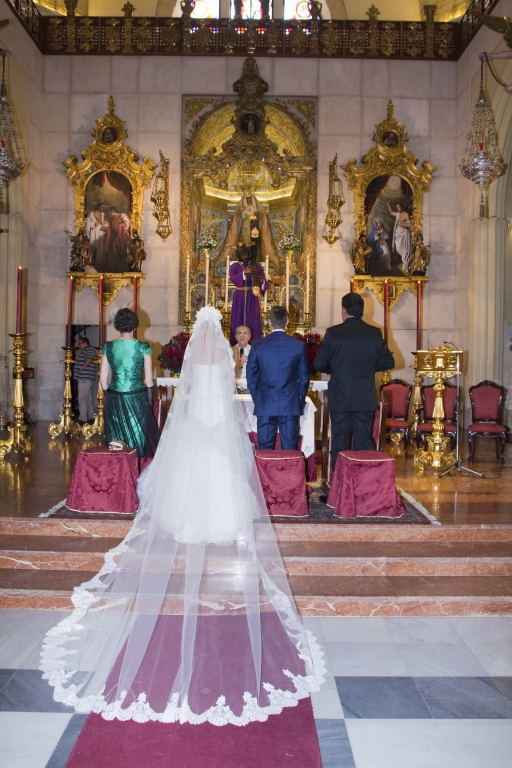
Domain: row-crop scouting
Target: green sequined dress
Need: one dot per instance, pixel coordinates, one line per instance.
(128, 413)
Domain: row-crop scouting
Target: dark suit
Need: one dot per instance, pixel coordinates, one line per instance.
(352, 353)
(278, 380)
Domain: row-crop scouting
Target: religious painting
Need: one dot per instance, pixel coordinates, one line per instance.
(108, 183)
(388, 209)
(108, 207)
(388, 186)
(248, 205)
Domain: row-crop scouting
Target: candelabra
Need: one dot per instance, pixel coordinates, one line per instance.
(97, 428)
(65, 426)
(17, 444)
(335, 201)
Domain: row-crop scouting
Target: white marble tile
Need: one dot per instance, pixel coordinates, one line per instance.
(444, 79)
(430, 743)
(354, 629)
(443, 197)
(91, 74)
(443, 118)
(490, 640)
(409, 79)
(375, 79)
(204, 74)
(55, 191)
(85, 110)
(444, 156)
(125, 73)
(340, 77)
(160, 74)
(296, 77)
(54, 150)
(357, 658)
(326, 702)
(28, 739)
(346, 147)
(340, 115)
(160, 112)
(54, 108)
(374, 111)
(21, 633)
(57, 74)
(414, 113)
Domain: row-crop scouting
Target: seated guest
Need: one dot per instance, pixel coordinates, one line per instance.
(241, 350)
(126, 376)
(278, 380)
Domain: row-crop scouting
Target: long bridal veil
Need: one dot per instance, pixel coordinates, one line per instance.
(191, 618)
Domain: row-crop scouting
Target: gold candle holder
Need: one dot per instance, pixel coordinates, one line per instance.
(97, 428)
(65, 426)
(17, 444)
(440, 363)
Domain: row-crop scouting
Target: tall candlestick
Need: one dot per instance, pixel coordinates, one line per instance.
(19, 300)
(267, 279)
(419, 314)
(100, 311)
(69, 318)
(206, 275)
(306, 292)
(188, 288)
(226, 286)
(287, 291)
(136, 299)
(386, 310)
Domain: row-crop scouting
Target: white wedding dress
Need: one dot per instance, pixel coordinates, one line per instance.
(191, 618)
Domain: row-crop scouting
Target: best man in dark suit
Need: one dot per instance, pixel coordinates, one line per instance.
(352, 353)
(278, 380)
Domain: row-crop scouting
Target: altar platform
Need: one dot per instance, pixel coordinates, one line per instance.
(460, 565)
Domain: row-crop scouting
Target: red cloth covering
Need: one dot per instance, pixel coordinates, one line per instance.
(311, 461)
(363, 485)
(104, 481)
(283, 478)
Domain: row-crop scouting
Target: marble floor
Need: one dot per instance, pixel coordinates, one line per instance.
(401, 693)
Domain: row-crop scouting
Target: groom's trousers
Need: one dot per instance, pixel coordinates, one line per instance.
(288, 427)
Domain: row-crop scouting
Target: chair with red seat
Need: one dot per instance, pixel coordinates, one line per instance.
(487, 406)
(450, 411)
(283, 479)
(397, 394)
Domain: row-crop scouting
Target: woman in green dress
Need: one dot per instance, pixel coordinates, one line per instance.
(126, 376)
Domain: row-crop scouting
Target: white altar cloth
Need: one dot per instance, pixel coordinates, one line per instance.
(307, 420)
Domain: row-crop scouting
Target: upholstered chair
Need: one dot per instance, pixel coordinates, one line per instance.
(487, 405)
(397, 395)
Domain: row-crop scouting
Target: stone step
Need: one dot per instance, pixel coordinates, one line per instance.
(296, 565)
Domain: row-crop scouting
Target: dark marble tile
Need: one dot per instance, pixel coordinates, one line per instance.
(66, 742)
(467, 697)
(381, 698)
(334, 744)
(5, 676)
(26, 691)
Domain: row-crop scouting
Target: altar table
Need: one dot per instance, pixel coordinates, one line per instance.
(104, 482)
(307, 421)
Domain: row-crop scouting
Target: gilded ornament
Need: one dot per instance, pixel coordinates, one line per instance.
(160, 198)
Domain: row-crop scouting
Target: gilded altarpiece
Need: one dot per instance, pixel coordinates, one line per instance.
(247, 153)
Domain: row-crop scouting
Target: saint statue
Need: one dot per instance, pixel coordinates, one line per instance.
(250, 280)
(250, 227)
(402, 244)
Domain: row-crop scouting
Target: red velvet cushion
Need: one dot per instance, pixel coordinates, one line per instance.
(485, 402)
(449, 402)
(398, 396)
(486, 426)
(396, 424)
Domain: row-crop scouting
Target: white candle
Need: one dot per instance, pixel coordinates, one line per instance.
(207, 274)
(306, 293)
(187, 284)
(287, 293)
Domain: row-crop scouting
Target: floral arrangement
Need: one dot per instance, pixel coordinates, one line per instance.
(289, 242)
(312, 342)
(172, 354)
(206, 240)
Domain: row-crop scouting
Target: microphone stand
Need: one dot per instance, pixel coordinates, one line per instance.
(459, 465)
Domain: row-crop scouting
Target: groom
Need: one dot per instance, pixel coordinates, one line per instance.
(278, 380)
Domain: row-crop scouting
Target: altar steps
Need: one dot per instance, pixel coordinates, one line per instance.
(355, 570)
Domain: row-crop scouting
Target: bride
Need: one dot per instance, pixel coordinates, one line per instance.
(191, 618)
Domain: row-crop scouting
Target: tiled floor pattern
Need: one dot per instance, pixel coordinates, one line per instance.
(421, 693)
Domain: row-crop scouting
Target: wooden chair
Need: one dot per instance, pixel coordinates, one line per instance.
(450, 406)
(397, 395)
(487, 405)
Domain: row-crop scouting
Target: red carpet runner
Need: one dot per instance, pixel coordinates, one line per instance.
(288, 739)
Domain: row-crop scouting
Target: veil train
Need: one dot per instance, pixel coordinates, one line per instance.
(191, 618)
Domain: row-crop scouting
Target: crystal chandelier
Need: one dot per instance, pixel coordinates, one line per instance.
(483, 162)
(11, 149)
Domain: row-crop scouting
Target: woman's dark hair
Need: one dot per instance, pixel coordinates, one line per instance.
(125, 320)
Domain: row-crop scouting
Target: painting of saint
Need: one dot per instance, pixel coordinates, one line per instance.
(388, 208)
(108, 205)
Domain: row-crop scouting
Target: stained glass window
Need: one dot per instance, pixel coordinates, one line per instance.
(251, 9)
(296, 9)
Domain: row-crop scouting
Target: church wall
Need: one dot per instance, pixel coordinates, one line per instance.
(352, 97)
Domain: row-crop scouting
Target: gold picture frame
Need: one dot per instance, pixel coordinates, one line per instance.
(388, 185)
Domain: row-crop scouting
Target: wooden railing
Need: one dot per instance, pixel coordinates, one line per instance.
(184, 36)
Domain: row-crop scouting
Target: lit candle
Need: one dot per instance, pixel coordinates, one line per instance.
(100, 309)
(69, 318)
(19, 300)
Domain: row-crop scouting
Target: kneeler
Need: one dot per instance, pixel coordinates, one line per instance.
(283, 478)
(104, 481)
(363, 485)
